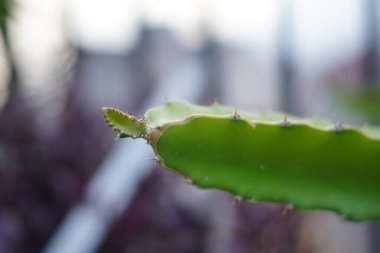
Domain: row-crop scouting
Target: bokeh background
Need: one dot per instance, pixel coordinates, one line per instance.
(67, 186)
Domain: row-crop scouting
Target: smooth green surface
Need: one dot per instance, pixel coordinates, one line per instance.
(300, 165)
(124, 124)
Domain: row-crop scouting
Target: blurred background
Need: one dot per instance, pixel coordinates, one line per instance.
(67, 186)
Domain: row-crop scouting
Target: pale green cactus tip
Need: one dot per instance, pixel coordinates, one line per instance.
(126, 125)
(308, 164)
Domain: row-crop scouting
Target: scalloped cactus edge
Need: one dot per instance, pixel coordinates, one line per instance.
(265, 156)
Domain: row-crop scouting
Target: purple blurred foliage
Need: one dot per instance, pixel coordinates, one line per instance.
(266, 228)
(42, 177)
(27, 195)
(156, 222)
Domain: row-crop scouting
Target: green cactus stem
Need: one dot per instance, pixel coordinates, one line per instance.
(308, 164)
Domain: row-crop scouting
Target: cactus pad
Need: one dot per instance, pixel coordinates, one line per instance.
(309, 164)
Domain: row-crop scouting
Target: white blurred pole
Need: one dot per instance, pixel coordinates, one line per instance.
(111, 190)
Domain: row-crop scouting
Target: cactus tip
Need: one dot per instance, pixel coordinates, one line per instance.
(125, 125)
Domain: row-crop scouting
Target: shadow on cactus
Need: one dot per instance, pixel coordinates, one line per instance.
(308, 164)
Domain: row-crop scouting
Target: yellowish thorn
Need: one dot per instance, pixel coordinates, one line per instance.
(188, 181)
(287, 209)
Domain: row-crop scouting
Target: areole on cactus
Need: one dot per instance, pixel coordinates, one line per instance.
(308, 164)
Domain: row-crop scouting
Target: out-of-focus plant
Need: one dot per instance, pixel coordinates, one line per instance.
(6, 10)
(308, 164)
(364, 103)
(6, 7)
